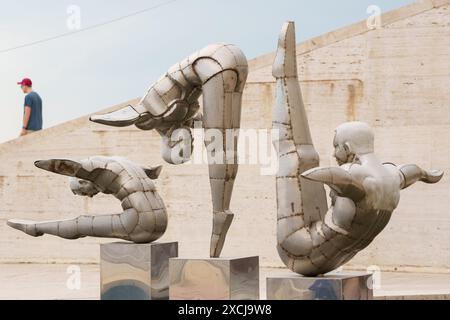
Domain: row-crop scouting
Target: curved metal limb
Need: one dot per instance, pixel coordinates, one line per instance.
(301, 203)
(412, 173)
(221, 120)
(129, 225)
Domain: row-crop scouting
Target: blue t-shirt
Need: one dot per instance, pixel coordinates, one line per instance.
(34, 101)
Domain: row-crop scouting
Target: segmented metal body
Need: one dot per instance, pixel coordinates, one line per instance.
(173, 99)
(218, 72)
(313, 239)
(310, 241)
(144, 216)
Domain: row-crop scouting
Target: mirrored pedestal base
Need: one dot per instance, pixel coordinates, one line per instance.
(131, 271)
(214, 279)
(333, 286)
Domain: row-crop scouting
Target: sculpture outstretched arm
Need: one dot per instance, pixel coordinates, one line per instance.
(64, 167)
(337, 179)
(78, 170)
(412, 173)
(123, 117)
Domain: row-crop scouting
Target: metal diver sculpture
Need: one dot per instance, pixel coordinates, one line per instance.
(312, 238)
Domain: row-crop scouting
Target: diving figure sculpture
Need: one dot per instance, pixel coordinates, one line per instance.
(218, 72)
(313, 239)
(144, 216)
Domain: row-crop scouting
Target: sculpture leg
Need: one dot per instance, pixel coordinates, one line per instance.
(222, 111)
(301, 203)
(295, 146)
(123, 226)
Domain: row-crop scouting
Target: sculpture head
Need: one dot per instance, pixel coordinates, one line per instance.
(83, 187)
(352, 139)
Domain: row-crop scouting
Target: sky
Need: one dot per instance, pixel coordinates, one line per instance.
(89, 69)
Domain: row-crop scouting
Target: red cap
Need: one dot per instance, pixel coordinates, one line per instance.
(26, 82)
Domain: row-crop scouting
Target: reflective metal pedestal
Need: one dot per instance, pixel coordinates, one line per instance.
(333, 286)
(214, 279)
(131, 271)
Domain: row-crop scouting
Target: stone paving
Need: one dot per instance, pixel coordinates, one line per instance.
(56, 281)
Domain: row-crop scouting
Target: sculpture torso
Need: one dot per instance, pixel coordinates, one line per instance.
(172, 101)
(362, 220)
(144, 209)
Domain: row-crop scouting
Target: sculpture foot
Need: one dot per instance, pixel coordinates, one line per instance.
(221, 224)
(26, 226)
(433, 176)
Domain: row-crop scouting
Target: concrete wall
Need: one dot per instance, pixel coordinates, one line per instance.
(396, 78)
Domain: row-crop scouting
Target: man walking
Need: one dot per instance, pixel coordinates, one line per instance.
(32, 114)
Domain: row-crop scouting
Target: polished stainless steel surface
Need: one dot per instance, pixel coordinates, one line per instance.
(337, 286)
(214, 279)
(170, 106)
(130, 271)
(313, 238)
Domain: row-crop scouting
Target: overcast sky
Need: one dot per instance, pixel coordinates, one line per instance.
(99, 67)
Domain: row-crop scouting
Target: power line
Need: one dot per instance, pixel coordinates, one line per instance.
(95, 26)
